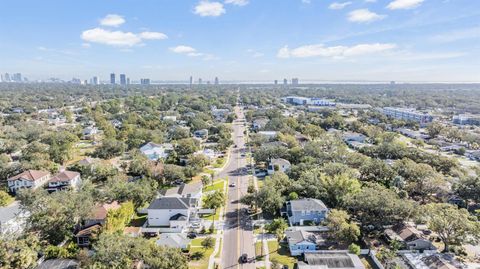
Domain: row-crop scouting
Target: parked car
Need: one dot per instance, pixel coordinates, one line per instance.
(232, 184)
(195, 225)
(192, 235)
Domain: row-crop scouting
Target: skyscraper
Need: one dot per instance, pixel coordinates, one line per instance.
(285, 82)
(123, 79)
(216, 81)
(112, 78)
(191, 81)
(145, 81)
(295, 81)
(199, 81)
(128, 81)
(95, 80)
(17, 77)
(275, 82)
(7, 77)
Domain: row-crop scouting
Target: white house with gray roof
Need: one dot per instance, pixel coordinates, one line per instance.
(302, 211)
(327, 259)
(301, 241)
(174, 240)
(280, 164)
(191, 190)
(171, 212)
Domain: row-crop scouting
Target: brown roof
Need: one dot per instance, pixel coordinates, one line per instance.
(89, 230)
(64, 176)
(100, 211)
(31, 175)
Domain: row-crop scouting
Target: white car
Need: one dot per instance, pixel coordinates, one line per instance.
(232, 184)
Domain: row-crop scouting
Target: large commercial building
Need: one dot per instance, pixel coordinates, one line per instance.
(297, 100)
(295, 81)
(112, 78)
(145, 81)
(216, 81)
(407, 115)
(467, 119)
(123, 79)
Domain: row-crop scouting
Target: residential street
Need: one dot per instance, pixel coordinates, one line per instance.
(238, 235)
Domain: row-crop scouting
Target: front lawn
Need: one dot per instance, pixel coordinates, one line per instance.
(198, 255)
(218, 185)
(259, 254)
(280, 255)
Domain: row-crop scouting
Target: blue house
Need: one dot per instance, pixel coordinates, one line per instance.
(302, 241)
(303, 211)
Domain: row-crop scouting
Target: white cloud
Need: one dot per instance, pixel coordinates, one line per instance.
(183, 49)
(364, 15)
(319, 50)
(404, 4)
(460, 34)
(206, 8)
(118, 38)
(254, 53)
(112, 20)
(337, 5)
(153, 35)
(237, 2)
(370, 1)
(86, 45)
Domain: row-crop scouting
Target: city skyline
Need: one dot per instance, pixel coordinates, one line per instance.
(389, 40)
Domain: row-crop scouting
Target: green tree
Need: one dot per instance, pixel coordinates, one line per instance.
(21, 253)
(208, 242)
(109, 149)
(354, 249)
(5, 198)
(338, 221)
(453, 226)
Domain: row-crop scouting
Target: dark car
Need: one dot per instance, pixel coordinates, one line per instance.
(192, 235)
(244, 258)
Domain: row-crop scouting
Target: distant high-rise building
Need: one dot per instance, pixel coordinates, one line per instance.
(392, 82)
(112, 78)
(285, 81)
(275, 82)
(145, 81)
(199, 81)
(123, 79)
(295, 81)
(191, 81)
(7, 77)
(128, 81)
(84, 82)
(95, 80)
(216, 81)
(17, 77)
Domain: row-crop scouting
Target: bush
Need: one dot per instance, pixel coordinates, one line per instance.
(5, 199)
(354, 249)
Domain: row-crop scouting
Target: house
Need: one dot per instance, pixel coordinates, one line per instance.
(268, 134)
(64, 180)
(191, 190)
(301, 241)
(209, 153)
(59, 264)
(302, 211)
(259, 123)
(407, 114)
(170, 118)
(431, 260)
(338, 259)
(220, 114)
(201, 134)
(408, 235)
(28, 179)
(83, 237)
(174, 240)
(352, 136)
(94, 224)
(156, 151)
(99, 213)
(89, 132)
(132, 231)
(280, 164)
(12, 219)
(172, 212)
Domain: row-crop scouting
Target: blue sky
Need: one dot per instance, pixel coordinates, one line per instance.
(254, 40)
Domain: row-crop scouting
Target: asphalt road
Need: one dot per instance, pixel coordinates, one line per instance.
(238, 234)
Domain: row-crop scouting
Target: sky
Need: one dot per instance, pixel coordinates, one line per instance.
(243, 40)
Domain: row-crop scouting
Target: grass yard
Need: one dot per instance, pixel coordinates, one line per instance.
(280, 255)
(258, 251)
(198, 255)
(260, 183)
(220, 162)
(215, 216)
(218, 185)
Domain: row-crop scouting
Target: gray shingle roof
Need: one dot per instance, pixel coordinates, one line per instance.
(172, 203)
(307, 204)
(59, 264)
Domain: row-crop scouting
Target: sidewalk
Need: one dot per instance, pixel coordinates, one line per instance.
(219, 236)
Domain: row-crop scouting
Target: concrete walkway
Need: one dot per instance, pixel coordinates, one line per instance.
(218, 237)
